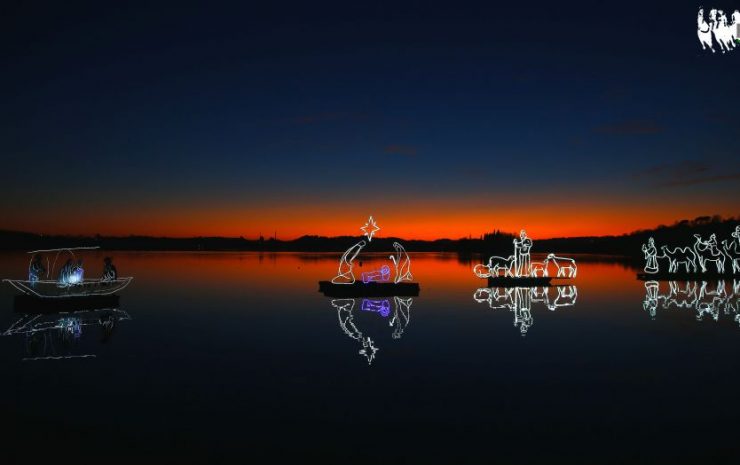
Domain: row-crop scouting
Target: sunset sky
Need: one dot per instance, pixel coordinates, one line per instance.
(439, 119)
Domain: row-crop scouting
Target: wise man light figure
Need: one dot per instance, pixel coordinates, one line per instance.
(736, 234)
(522, 260)
(651, 256)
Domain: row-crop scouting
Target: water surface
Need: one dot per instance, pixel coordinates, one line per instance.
(235, 357)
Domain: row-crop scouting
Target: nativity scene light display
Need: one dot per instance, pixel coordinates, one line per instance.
(390, 279)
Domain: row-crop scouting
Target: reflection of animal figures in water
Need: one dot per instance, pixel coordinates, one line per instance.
(681, 297)
(566, 266)
(496, 297)
(567, 296)
(704, 31)
(707, 251)
(731, 250)
(680, 255)
(721, 30)
(495, 264)
(402, 264)
(345, 274)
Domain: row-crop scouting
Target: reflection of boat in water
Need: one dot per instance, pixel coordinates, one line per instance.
(71, 282)
(710, 299)
(398, 320)
(54, 336)
(519, 300)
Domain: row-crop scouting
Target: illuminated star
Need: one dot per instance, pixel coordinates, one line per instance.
(370, 228)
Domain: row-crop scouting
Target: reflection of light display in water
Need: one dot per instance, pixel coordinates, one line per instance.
(380, 306)
(51, 337)
(707, 299)
(399, 321)
(519, 300)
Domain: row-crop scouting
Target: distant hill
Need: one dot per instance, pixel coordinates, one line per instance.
(494, 243)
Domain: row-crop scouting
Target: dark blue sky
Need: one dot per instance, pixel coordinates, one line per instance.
(153, 118)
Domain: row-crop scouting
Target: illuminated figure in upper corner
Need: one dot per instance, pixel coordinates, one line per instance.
(345, 274)
(402, 264)
(522, 260)
(651, 256)
(35, 269)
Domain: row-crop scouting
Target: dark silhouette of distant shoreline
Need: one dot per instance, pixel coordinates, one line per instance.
(495, 243)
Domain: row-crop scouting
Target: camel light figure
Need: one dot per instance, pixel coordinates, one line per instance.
(679, 255)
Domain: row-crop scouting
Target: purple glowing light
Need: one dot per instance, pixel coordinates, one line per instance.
(379, 306)
(384, 274)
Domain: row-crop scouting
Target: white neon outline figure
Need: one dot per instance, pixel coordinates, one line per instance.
(733, 253)
(522, 247)
(707, 251)
(704, 31)
(650, 304)
(345, 274)
(381, 275)
(495, 264)
(679, 256)
(566, 267)
(370, 228)
(402, 264)
(401, 315)
(651, 256)
(538, 268)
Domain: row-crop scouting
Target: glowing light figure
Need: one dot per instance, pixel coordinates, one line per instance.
(733, 253)
(566, 267)
(345, 274)
(379, 306)
(522, 259)
(651, 256)
(679, 256)
(370, 228)
(381, 275)
(707, 251)
(402, 263)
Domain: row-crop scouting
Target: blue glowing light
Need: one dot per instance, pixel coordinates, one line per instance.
(379, 306)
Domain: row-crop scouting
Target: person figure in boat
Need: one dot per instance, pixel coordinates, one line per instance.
(345, 274)
(522, 258)
(651, 256)
(110, 273)
(35, 269)
(65, 273)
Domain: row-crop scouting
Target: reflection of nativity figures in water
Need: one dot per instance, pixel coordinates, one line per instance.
(705, 299)
(374, 283)
(54, 336)
(519, 269)
(519, 300)
(70, 281)
(702, 259)
(399, 320)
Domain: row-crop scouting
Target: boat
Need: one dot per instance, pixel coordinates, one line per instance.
(75, 287)
(370, 289)
(518, 281)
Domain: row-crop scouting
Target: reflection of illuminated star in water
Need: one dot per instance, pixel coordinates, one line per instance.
(368, 350)
(370, 228)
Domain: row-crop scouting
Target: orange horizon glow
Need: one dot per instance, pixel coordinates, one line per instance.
(441, 220)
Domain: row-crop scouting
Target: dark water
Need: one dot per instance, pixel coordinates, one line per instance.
(236, 358)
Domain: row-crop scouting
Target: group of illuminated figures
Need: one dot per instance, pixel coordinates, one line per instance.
(520, 264)
(70, 273)
(704, 255)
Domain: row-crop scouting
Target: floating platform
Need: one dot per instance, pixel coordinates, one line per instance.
(683, 276)
(32, 304)
(373, 289)
(521, 281)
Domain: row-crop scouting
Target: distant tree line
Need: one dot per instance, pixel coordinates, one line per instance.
(493, 243)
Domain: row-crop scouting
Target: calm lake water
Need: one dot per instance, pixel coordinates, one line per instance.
(236, 358)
